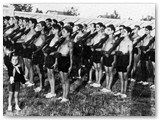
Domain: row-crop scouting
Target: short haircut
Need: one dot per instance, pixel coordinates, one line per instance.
(21, 18)
(26, 19)
(68, 29)
(71, 24)
(55, 21)
(61, 23)
(7, 18)
(128, 29)
(100, 24)
(43, 24)
(122, 26)
(49, 20)
(137, 26)
(80, 26)
(85, 25)
(149, 27)
(57, 27)
(94, 25)
(112, 27)
(14, 55)
(16, 17)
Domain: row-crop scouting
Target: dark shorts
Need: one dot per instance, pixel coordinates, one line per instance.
(107, 61)
(122, 63)
(152, 55)
(144, 56)
(38, 58)
(49, 62)
(18, 48)
(77, 50)
(97, 56)
(27, 52)
(63, 63)
(135, 50)
(15, 87)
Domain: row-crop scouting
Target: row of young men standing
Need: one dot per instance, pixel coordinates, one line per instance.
(55, 45)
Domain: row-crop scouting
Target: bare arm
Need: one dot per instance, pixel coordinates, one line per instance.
(130, 53)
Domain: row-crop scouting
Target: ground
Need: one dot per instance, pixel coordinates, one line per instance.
(84, 101)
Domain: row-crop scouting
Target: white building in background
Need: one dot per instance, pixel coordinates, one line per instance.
(8, 10)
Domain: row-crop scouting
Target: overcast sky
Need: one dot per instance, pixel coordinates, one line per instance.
(134, 11)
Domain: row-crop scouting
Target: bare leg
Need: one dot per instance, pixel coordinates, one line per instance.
(31, 72)
(99, 72)
(63, 84)
(125, 78)
(107, 76)
(52, 82)
(90, 74)
(49, 76)
(40, 75)
(96, 72)
(16, 98)
(10, 98)
(67, 85)
(122, 82)
(110, 78)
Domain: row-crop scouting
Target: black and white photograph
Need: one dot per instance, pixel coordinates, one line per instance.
(79, 59)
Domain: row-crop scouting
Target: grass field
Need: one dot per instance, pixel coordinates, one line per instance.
(84, 101)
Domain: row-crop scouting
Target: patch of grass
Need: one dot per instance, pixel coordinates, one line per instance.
(87, 101)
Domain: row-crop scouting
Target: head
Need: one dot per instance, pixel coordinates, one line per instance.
(14, 59)
(126, 31)
(121, 28)
(21, 20)
(54, 21)
(110, 30)
(32, 23)
(16, 19)
(11, 20)
(56, 28)
(25, 21)
(67, 31)
(148, 29)
(85, 26)
(61, 24)
(78, 27)
(48, 22)
(92, 26)
(6, 19)
(136, 28)
(41, 26)
(103, 28)
(99, 27)
(71, 24)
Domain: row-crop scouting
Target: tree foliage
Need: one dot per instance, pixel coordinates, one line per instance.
(114, 15)
(38, 11)
(23, 7)
(72, 11)
(147, 18)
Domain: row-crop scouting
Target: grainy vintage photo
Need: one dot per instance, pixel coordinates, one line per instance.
(79, 59)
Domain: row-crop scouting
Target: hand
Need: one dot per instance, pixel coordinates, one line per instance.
(92, 49)
(54, 66)
(128, 67)
(11, 80)
(106, 54)
(23, 85)
(24, 46)
(52, 53)
(45, 54)
(69, 70)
